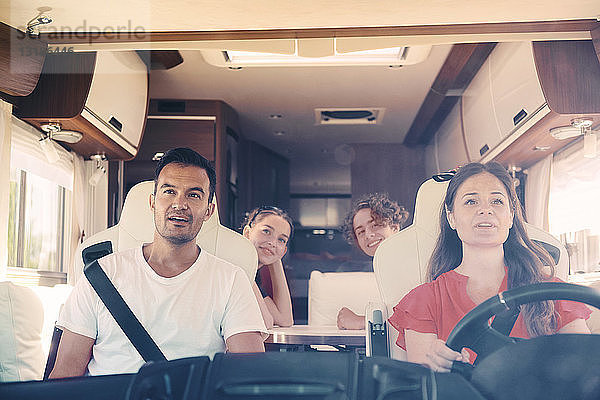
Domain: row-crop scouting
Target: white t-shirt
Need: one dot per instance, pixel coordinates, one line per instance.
(191, 314)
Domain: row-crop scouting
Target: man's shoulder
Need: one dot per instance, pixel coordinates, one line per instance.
(211, 259)
(220, 265)
(113, 260)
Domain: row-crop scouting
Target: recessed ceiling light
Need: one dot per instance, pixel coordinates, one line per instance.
(279, 133)
(275, 116)
(541, 148)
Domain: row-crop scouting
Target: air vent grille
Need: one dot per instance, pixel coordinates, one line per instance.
(349, 116)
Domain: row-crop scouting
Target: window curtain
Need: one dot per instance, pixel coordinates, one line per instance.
(5, 145)
(78, 234)
(537, 193)
(96, 201)
(575, 192)
(27, 154)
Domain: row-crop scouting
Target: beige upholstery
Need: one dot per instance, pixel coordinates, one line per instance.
(400, 262)
(21, 321)
(329, 292)
(53, 299)
(136, 226)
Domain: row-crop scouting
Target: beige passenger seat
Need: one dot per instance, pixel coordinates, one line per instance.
(21, 322)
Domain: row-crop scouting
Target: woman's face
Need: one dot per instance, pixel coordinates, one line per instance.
(270, 235)
(482, 215)
(369, 234)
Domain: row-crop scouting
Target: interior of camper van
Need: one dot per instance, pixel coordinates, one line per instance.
(311, 115)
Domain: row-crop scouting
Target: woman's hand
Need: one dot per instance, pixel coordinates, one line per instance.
(440, 357)
(427, 349)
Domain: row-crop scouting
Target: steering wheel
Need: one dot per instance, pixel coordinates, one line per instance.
(475, 332)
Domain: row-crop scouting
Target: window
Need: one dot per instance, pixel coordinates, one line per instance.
(326, 211)
(574, 215)
(38, 222)
(39, 225)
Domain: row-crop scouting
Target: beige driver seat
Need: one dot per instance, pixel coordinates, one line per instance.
(136, 226)
(400, 262)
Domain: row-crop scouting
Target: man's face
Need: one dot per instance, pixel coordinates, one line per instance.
(180, 203)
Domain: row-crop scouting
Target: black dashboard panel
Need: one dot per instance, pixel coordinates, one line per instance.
(271, 375)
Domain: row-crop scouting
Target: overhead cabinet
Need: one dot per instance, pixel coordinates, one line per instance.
(449, 142)
(504, 94)
(522, 90)
(103, 95)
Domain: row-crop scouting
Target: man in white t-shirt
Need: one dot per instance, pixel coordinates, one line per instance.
(190, 302)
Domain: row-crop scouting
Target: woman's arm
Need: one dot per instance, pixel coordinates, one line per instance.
(280, 306)
(264, 310)
(427, 349)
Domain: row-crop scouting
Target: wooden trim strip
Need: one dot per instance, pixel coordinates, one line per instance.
(415, 30)
(595, 33)
(460, 67)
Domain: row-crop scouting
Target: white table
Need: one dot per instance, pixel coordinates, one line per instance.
(316, 335)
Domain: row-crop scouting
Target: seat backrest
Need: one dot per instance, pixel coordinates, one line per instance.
(400, 262)
(52, 298)
(329, 292)
(21, 321)
(136, 226)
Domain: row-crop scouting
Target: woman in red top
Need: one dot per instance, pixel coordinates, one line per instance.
(482, 249)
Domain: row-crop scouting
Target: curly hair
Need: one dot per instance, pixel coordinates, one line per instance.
(383, 209)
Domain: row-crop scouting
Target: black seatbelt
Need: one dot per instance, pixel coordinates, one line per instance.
(125, 318)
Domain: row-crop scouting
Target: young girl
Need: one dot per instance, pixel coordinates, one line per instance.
(270, 229)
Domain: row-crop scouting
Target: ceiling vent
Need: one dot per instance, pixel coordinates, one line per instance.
(349, 116)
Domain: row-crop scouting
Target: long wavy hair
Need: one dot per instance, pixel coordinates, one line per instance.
(524, 259)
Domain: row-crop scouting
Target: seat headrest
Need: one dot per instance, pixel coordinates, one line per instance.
(137, 221)
(428, 203)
